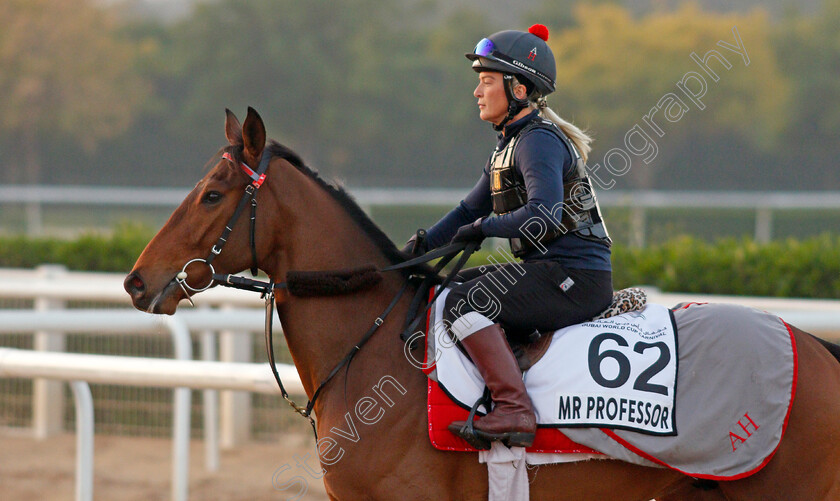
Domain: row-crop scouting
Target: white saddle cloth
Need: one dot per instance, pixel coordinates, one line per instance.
(618, 372)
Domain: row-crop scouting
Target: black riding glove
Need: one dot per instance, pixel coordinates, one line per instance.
(470, 232)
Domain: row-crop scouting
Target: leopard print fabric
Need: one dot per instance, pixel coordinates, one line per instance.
(631, 299)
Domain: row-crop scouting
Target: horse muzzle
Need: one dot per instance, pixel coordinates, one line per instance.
(144, 298)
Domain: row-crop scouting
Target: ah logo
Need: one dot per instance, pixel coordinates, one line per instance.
(533, 54)
(734, 438)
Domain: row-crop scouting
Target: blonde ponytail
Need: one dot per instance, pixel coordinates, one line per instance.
(578, 137)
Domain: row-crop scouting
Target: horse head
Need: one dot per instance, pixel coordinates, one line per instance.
(190, 239)
(303, 223)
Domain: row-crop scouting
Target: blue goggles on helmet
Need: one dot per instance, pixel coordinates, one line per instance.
(484, 48)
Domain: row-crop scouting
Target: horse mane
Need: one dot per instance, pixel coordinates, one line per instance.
(339, 194)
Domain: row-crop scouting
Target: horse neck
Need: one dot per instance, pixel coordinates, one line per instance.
(319, 331)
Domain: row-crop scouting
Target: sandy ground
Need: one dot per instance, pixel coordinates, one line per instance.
(129, 469)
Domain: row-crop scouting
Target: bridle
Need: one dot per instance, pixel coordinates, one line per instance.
(250, 195)
(267, 288)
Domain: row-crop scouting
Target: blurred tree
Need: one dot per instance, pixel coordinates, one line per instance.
(809, 51)
(432, 134)
(64, 71)
(354, 91)
(312, 69)
(559, 14)
(380, 93)
(614, 69)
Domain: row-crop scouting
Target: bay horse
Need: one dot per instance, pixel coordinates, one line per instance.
(372, 421)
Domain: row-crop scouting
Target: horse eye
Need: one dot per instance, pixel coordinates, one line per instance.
(211, 197)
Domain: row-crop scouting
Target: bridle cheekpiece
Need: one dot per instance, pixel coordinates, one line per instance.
(250, 195)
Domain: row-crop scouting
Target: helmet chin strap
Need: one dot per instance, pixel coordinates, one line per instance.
(514, 105)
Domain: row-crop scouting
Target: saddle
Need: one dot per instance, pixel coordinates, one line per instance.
(532, 348)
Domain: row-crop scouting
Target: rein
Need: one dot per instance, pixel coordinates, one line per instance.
(267, 288)
(343, 284)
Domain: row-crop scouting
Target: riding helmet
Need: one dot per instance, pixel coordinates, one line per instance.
(521, 53)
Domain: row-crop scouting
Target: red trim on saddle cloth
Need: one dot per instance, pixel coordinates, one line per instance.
(687, 305)
(442, 411)
(647, 456)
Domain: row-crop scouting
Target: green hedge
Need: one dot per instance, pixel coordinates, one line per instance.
(788, 268)
(808, 268)
(90, 252)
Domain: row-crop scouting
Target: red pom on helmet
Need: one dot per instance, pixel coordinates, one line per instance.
(539, 30)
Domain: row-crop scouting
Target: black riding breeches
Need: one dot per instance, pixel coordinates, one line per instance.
(525, 297)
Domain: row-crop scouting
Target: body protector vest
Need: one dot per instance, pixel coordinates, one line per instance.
(579, 213)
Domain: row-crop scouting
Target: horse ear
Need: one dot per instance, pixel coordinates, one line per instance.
(233, 131)
(253, 134)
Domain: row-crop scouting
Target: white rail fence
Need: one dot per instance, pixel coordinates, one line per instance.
(80, 369)
(227, 316)
(639, 202)
(236, 315)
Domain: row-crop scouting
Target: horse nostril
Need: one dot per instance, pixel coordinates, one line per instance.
(134, 284)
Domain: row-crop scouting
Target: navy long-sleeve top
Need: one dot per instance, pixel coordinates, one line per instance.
(543, 161)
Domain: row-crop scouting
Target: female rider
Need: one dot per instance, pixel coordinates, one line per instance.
(536, 184)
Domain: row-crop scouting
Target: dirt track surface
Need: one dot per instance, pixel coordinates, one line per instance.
(129, 469)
